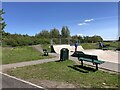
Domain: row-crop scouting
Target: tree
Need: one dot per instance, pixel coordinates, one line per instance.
(65, 32)
(2, 23)
(43, 34)
(96, 38)
(92, 39)
(54, 33)
(86, 38)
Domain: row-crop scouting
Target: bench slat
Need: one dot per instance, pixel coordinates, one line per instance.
(90, 60)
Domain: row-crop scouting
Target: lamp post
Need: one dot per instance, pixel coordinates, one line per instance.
(60, 39)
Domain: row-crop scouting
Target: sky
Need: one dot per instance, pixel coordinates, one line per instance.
(82, 18)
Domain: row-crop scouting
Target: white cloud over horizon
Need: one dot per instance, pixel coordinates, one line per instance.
(80, 35)
(88, 20)
(85, 22)
(80, 24)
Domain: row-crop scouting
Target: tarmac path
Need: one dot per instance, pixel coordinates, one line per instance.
(38, 48)
(22, 64)
(11, 82)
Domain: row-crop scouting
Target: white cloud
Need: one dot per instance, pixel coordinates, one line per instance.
(88, 20)
(80, 24)
(85, 22)
(80, 35)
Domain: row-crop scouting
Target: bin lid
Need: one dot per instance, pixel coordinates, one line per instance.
(64, 49)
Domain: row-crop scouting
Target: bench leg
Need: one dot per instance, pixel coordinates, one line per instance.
(82, 62)
(96, 66)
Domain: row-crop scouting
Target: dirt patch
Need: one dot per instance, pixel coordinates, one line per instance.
(52, 84)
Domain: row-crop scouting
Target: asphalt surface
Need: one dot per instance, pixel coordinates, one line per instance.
(27, 63)
(8, 82)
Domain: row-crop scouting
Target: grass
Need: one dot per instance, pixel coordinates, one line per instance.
(20, 54)
(89, 45)
(46, 46)
(69, 73)
(113, 45)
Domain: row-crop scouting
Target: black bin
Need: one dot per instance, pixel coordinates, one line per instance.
(64, 54)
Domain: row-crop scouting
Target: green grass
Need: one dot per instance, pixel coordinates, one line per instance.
(66, 72)
(89, 45)
(46, 46)
(20, 54)
(113, 45)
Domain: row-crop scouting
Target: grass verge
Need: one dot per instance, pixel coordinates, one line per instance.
(20, 54)
(67, 72)
(89, 45)
(113, 45)
(46, 46)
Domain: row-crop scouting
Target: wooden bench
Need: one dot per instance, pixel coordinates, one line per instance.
(90, 58)
(45, 51)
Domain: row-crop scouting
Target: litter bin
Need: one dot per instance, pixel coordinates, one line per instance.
(64, 54)
(45, 52)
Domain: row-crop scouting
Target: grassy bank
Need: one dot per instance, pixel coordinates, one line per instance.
(46, 46)
(113, 45)
(67, 72)
(20, 54)
(89, 45)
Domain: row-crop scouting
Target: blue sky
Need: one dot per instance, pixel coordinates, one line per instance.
(83, 18)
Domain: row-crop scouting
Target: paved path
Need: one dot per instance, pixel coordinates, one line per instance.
(13, 82)
(8, 82)
(22, 64)
(38, 48)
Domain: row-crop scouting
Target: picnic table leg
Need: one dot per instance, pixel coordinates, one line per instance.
(82, 62)
(96, 66)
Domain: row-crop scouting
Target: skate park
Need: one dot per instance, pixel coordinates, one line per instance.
(107, 55)
(110, 57)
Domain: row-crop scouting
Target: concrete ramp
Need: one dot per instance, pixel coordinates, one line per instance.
(104, 55)
(107, 55)
(57, 48)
